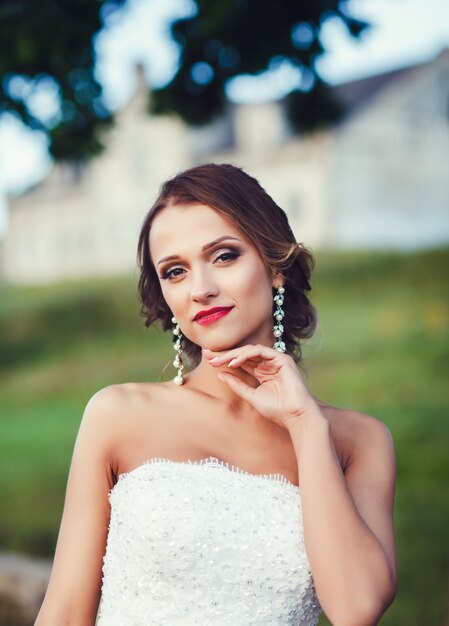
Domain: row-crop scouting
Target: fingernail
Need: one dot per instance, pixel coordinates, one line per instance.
(231, 363)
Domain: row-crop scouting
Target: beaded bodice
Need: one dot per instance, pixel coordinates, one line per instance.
(205, 543)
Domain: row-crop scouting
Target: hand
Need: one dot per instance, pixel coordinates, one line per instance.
(281, 396)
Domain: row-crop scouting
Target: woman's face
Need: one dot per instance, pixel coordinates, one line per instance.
(205, 262)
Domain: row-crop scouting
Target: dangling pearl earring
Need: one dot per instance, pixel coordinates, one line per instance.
(278, 314)
(178, 379)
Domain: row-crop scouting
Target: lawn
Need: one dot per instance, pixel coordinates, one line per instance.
(381, 347)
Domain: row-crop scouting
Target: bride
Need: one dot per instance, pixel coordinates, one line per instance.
(229, 494)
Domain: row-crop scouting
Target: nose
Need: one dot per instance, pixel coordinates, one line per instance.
(203, 287)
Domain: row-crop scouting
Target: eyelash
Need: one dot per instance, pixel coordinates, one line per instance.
(167, 274)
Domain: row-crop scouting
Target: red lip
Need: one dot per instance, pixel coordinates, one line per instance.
(212, 311)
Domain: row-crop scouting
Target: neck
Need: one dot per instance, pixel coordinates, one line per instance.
(204, 378)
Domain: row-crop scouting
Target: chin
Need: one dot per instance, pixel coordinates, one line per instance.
(219, 344)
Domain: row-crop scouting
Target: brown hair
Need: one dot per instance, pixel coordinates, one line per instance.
(241, 199)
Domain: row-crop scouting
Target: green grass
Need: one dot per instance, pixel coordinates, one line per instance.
(382, 346)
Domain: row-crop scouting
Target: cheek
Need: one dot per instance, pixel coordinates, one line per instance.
(174, 299)
(256, 286)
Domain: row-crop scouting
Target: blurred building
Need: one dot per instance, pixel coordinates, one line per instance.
(380, 179)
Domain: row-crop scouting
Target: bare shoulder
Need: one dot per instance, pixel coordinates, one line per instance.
(359, 435)
(373, 452)
(114, 401)
(124, 423)
(114, 411)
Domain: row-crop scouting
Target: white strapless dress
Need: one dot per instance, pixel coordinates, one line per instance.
(205, 543)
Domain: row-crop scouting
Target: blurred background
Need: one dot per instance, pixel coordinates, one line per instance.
(341, 110)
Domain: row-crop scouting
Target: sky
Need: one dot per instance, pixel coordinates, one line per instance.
(403, 32)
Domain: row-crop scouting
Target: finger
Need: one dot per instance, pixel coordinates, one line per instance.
(223, 355)
(236, 356)
(248, 368)
(249, 362)
(254, 353)
(229, 360)
(238, 386)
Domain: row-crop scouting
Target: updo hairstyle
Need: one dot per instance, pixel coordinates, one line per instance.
(240, 198)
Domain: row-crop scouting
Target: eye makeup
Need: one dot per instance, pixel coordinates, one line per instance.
(226, 255)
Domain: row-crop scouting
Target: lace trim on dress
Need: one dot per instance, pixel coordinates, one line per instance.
(211, 461)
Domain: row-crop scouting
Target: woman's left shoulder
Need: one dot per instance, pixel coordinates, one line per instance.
(358, 434)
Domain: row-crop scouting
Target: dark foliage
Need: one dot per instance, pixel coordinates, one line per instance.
(48, 40)
(226, 39)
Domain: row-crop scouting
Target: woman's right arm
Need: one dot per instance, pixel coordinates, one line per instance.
(74, 589)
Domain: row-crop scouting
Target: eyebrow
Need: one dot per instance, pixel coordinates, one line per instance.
(173, 257)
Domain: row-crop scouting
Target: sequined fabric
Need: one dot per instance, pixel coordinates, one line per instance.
(204, 543)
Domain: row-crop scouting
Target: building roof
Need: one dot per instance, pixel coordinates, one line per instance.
(353, 95)
(356, 93)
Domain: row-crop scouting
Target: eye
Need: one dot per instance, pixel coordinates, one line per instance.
(227, 256)
(172, 273)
